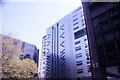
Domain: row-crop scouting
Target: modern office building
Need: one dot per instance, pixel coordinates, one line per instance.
(29, 50)
(103, 29)
(65, 51)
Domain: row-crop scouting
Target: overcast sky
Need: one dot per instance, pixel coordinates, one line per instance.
(28, 20)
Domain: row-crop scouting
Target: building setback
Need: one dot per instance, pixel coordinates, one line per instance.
(103, 29)
(65, 51)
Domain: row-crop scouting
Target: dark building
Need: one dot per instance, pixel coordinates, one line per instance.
(29, 50)
(103, 30)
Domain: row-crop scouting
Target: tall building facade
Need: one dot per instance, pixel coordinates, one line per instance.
(103, 29)
(65, 51)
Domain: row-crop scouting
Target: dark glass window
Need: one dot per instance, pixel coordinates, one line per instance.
(99, 39)
(78, 63)
(79, 71)
(79, 33)
(77, 48)
(93, 6)
(115, 10)
(27, 56)
(116, 21)
(85, 39)
(77, 42)
(86, 46)
(100, 49)
(95, 21)
(100, 18)
(110, 47)
(88, 62)
(97, 30)
(112, 57)
(103, 17)
(76, 27)
(105, 25)
(117, 34)
(78, 55)
(109, 36)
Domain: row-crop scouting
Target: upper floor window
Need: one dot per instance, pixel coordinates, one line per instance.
(77, 42)
(77, 48)
(75, 23)
(78, 55)
(74, 15)
(79, 33)
(78, 63)
(79, 71)
(75, 19)
(76, 27)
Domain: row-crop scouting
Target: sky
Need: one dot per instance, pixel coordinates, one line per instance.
(28, 20)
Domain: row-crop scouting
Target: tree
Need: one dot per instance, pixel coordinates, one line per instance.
(12, 66)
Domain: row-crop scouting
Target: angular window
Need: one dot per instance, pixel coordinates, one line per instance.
(79, 33)
(74, 15)
(76, 27)
(77, 42)
(78, 63)
(75, 19)
(78, 55)
(79, 71)
(77, 48)
(75, 23)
